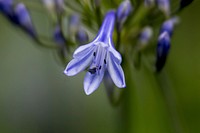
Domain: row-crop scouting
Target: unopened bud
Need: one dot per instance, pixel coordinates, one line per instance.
(163, 48)
(24, 18)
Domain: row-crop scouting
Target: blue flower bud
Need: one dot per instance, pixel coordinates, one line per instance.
(163, 48)
(24, 18)
(81, 36)
(164, 6)
(185, 3)
(6, 7)
(58, 36)
(123, 12)
(145, 35)
(74, 24)
(168, 25)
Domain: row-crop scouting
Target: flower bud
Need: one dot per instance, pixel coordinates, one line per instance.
(24, 18)
(145, 35)
(58, 36)
(123, 12)
(168, 25)
(81, 36)
(74, 24)
(163, 48)
(6, 7)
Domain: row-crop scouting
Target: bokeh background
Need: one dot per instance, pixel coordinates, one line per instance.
(36, 97)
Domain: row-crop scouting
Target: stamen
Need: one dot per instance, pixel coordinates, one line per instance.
(94, 54)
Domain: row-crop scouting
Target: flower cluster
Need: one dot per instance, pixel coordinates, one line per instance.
(126, 29)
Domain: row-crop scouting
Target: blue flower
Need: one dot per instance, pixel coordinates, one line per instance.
(100, 56)
(168, 25)
(24, 18)
(123, 11)
(163, 48)
(145, 35)
(6, 7)
(58, 36)
(81, 36)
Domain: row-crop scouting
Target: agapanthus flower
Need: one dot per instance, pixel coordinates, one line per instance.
(6, 7)
(163, 48)
(123, 11)
(169, 25)
(100, 56)
(58, 36)
(24, 19)
(81, 36)
(145, 35)
(74, 24)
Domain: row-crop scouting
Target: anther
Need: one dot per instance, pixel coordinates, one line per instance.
(92, 71)
(104, 61)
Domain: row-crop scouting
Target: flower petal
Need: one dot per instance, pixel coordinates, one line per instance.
(116, 72)
(82, 50)
(79, 64)
(92, 81)
(116, 55)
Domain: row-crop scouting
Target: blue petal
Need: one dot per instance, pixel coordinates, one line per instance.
(79, 64)
(92, 81)
(116, 55)
(82, 50)
(116, 72)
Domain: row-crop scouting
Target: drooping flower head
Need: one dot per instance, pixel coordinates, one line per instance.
(163, 48)
(24, 19)
(99, 55)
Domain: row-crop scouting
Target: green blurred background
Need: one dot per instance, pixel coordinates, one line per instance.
(36, 97)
